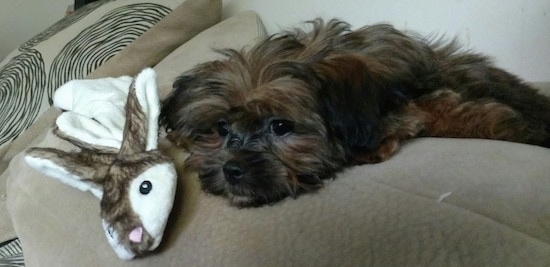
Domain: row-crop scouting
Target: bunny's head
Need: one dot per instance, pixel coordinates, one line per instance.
(135, 182)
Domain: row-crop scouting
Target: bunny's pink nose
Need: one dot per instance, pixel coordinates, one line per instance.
(136, 234)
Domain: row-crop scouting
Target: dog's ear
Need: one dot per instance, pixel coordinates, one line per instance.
(171, 105)
(191, 111)
(193, 85)
(354, 96)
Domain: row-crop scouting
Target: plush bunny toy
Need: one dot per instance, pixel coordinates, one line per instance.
(114, 121)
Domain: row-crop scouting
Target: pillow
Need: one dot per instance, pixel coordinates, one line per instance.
(71, 49)
(180, 25)
(58, 225)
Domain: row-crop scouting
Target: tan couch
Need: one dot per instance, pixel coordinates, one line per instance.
(438, 202)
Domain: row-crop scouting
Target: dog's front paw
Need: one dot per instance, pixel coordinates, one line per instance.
(385, 150)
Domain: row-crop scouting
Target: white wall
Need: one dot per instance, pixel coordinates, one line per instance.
(21, 20)
(516, 33)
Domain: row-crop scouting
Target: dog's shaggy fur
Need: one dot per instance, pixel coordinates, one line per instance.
(277, 119)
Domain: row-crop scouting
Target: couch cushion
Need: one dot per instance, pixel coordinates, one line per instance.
(181, 24)
(71, 217)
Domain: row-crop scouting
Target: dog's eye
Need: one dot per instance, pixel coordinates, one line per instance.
(223, 128)
(281, 127)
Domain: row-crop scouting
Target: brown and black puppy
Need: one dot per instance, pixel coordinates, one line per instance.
(277, 119)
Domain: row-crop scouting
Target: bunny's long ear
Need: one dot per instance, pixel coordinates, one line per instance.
(83, 171)
(142, 112)
(93, 110)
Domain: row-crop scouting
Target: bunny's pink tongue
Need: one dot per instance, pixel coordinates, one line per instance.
(136, 234)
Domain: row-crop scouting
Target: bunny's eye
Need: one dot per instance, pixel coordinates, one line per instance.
(145, 187)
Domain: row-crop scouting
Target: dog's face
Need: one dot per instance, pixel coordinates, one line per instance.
(253, 138)
(276, 120)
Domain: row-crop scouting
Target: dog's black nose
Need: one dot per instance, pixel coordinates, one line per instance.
(233, 172)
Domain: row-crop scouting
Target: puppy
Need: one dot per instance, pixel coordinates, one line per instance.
(278, 119)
